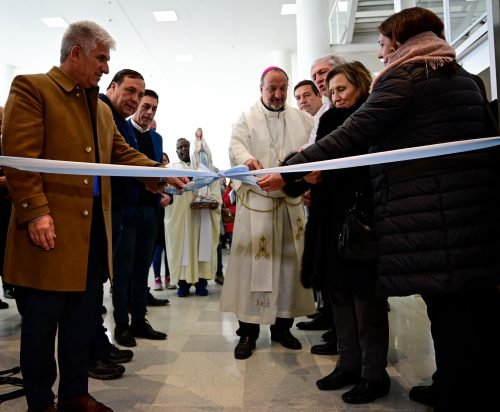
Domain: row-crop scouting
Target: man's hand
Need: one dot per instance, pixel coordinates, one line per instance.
(271, 182)
(165, 199)
(42, 232)
(313, 177)
(178, 182)
(157, 187)
(307, 198)
(253, 164)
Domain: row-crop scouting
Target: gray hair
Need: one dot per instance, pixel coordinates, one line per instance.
(85, 34)
(332, 59)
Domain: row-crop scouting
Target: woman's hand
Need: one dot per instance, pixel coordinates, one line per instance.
(313, 177)
(270, 183)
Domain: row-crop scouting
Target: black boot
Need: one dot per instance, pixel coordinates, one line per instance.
(141, 328)
(318, 323)
(244, 348)
(152, 301)
(425, 395)
(285, 337)
(338, 379)
(123, 336)
(104, 370)
(329, 348)
(367, 390)
(115, 355)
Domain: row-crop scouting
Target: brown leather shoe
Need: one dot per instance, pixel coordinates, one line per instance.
(84, 403)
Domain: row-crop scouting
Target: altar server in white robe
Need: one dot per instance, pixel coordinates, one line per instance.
(191, 235)
(262, 283)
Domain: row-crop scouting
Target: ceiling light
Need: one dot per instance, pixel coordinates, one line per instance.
(54, 22)
(288, 8)
(165, 15)
(184, 58)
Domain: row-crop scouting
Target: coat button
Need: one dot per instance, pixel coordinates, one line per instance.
(24, 205)
(88, 149)
(86, 181)
(85, 212)
(78, 95)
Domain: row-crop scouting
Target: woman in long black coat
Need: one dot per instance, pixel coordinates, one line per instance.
(360, 317)
(437, 220)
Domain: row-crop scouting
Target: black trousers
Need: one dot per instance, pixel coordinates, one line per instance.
(465, 329)
(362, 327)
(253, 329)
(71, 316)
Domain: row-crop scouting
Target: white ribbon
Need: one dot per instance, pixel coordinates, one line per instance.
(241, 172)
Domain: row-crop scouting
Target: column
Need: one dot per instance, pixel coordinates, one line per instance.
(313, 35)
(493, 10)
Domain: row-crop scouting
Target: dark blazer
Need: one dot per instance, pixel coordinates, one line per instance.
(437, 220)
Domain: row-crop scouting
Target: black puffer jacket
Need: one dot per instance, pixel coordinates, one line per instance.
(437, 220)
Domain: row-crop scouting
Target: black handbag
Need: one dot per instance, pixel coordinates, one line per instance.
(356, 238)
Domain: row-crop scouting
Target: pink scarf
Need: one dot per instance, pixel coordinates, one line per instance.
(425, 48)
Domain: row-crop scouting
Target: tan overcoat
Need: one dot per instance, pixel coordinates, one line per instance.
(47, 116)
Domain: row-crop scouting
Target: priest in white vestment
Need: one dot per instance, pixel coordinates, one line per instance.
(191, 235)
(262, 283)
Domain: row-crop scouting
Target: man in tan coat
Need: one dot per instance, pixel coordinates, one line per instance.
(59, 239)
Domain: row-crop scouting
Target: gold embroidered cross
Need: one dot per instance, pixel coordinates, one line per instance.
(262, 253)
(300, 228)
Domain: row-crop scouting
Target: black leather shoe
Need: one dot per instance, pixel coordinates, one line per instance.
(115, 355)
(104, 370)
(366, 391)
(143, 329)
(329, 335)
(329, 348)
(285, 337)
(338, 379)
(244, 348)
(48, 408)
(152, 301)
(425, 395)
(318, 323)
(124, 337)
(3, 305)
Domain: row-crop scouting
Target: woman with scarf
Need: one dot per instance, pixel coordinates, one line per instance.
(437, 220)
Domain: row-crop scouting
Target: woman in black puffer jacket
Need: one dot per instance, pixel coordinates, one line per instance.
(437, 220)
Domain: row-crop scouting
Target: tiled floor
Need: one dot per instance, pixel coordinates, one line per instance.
(194, 369)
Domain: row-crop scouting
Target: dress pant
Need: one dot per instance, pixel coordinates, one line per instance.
(253, 329)
(70, 315)
(99, 341)
(362, 327)
(219, 271)
(131, 263)
(465, 329)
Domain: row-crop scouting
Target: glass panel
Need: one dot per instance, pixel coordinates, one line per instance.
(338, 21)
(465, 16)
